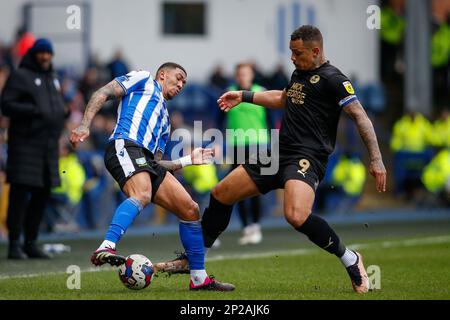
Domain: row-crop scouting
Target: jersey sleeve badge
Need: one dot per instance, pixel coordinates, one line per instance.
(348, 86)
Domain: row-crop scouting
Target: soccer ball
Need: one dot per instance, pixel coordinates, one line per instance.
(137, 272)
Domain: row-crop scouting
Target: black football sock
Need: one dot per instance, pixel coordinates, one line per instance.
(215, 220)
(256, 208)
(319, 232)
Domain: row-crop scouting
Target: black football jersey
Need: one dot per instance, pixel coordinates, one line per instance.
(315, 99)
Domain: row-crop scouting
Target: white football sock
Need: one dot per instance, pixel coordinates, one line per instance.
(198, 276)
(106, 244)
(349, 258)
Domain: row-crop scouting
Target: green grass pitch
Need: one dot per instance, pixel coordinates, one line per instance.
(413, 259)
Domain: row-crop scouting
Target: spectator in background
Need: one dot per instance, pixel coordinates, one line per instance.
(65, 199)
(73, 99)
(117, 66)
(392, 35)
(441, 130)
(89, 83)
(24, 41)
(258, 76)
(411, 140)
(278, 80)
(218, 78)
(4, 187)
(33, 102)
(247, 116)
(436, 177)
(6, 58)
(349, 176)
(440, 58)
(412, 133)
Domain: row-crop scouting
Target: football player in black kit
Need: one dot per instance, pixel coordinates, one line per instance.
(313, 101)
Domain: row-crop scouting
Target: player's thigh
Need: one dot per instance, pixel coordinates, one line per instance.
(236, 186)
(172, 196)
(139, 186)
(298, 201)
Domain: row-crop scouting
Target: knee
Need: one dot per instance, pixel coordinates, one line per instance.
(191, 212)
(296, 216)
(144, 196)
(215, 192)
(218, 192)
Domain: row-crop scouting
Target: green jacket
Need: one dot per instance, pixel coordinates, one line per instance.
(412, 135)
(437, 173)
(72, 178)
(440, 46)
(248, 119)
(392, 26)
(350, 174)
(202, 177)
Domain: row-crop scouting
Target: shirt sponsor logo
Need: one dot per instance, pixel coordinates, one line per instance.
(296, 94)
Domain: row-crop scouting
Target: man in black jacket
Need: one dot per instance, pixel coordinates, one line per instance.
(33, 102)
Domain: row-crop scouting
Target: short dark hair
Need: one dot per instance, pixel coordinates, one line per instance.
(307, 33)
(170, 65)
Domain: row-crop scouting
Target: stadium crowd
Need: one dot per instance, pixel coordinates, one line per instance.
(419, 161)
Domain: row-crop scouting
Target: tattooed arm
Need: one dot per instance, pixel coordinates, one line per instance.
(169, 165)
(197, 156)
(110, 91)
(367, 133)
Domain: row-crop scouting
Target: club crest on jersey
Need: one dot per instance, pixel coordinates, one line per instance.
(141, 161)
(314, 79)
(348, 86)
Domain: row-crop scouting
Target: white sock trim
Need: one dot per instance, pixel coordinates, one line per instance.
(106, 244)
(198, 276)
(349, 258)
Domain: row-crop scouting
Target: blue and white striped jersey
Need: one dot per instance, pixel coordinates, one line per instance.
(142, 116)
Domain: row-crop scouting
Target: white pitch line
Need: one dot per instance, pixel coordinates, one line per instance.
(33, 275)
(267, 254)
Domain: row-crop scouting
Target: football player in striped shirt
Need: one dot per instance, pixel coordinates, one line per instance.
(133, 157)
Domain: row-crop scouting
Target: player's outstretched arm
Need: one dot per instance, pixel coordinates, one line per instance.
(110, 91)
(197, 156)
(270, 99)
(367, 132)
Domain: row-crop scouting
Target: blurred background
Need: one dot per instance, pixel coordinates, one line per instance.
(399, 65)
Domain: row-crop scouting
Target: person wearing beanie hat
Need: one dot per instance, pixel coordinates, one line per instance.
(42, 54)
(42, 45)
(33, 102)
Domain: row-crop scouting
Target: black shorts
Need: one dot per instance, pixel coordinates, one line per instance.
(124, 158)
(302, 168)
